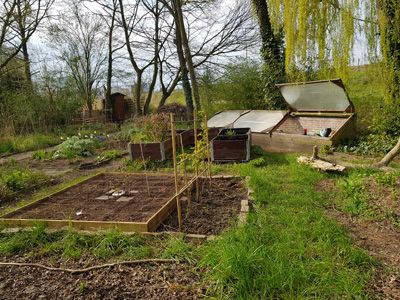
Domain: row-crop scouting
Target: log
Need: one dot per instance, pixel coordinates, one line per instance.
(320, 164)
(389, 157)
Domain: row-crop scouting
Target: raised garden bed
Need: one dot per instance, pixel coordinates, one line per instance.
(157, 151)
(218, 206)
(95, 204)
(231, 145)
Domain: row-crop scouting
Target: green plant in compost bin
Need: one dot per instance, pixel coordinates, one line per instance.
(230, 132)
(151, 129)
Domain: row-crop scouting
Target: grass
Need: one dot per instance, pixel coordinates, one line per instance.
(23, 143)
(69, 244)
(289, 248)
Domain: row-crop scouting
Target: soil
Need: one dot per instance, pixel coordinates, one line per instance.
(217, 208)
(80, 203)
(381, 239)
(148, 281)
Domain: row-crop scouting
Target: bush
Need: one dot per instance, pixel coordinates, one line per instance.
(151, 128)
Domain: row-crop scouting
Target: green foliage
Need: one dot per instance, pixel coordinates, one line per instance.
(289, 248)
(15, 144)
(239, 87)
(176, 247)
(15, 179)
(42, 155)
(26, 240)
(372, 144)
(76, 146)
(153, 128)
(108, 154)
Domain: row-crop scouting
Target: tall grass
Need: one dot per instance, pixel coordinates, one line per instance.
(16, 144)
(289, 248)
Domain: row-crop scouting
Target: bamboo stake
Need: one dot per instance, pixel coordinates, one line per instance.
(208, 147)
(185, 177)
(145, 169)
(178, 204)
(195, 155)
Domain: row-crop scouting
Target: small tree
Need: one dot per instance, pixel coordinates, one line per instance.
(79, 39)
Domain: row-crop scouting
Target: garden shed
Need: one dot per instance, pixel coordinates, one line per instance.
(320, 113)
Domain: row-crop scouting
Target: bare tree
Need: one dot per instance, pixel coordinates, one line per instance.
(80, 40)
(19, 20)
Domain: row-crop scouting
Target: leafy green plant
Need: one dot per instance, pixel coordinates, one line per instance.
(108, 154)
(14, 179)
(152, 128)
(230, 132)
(76, 146)
(42, 155)
(372, 144)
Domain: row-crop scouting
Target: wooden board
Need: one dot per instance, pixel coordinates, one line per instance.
(230, 150)
(156, 151)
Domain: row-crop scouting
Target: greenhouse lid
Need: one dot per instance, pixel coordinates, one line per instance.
(225, 118)
(320, 96)
(260, 121)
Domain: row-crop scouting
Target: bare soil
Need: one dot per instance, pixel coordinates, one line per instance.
(149, 281)
(217, 207)
(381, 239)
(80, 201)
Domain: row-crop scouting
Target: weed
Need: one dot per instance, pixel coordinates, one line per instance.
(176, 247)
(83, 286)
(25, 143)
(42, 155)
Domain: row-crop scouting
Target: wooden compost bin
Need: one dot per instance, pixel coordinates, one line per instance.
(313, 106)
(231, 148)
(14, 219)
(156, 151)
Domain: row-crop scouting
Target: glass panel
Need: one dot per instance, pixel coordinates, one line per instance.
(319, 96)
(225, 118)
(260, 120)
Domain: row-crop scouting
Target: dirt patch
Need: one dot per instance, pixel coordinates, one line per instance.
(218, 206)
(151, 281)
(380, 238)
(92, 200)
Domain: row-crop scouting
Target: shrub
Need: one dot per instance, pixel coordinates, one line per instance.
(151, 128)
(373, 144)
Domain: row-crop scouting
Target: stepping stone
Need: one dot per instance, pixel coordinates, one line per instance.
(134, 192)
(124, 199)
(104, 197)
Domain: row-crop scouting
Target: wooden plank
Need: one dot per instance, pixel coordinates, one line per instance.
(79, 225)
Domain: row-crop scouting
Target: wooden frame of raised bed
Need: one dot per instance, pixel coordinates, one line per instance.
(231, 148)
(150, 225)
(157, 151)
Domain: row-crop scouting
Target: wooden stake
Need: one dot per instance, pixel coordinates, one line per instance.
(178, 204)
(208, 147)
(195, 155)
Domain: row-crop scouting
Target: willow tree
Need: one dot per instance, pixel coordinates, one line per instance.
(318, 34)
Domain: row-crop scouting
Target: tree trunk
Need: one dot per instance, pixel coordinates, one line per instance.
(182, 61)
(272, 54)
(137, 94)
(24, 46)
(390, 156)
(108, 104)
(166, 92)
(188, 55)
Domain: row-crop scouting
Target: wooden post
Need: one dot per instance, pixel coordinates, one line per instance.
(185, 177)
(178, 204)
(195, 155)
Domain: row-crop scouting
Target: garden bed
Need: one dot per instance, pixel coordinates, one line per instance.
(218, 207)
(156, 151)
(95, 204)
